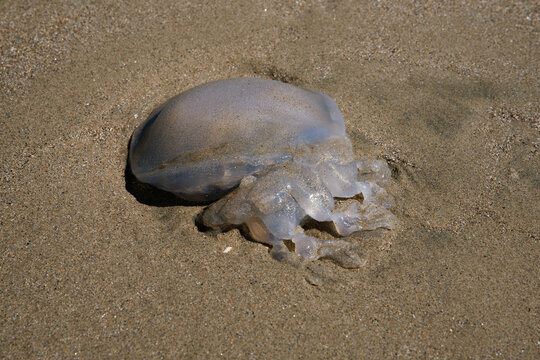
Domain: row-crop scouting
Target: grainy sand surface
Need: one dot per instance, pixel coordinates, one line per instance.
(446, 92)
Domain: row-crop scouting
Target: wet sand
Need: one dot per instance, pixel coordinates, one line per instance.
(447, 94)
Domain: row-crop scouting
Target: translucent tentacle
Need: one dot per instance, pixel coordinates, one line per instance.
(373, 170)
(339, 251)
(346, 222)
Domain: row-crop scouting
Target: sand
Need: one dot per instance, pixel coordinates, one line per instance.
(446, 93)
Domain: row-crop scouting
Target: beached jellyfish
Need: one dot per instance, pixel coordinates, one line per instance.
(268, 156)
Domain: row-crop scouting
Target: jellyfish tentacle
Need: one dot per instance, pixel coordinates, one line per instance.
(339, 251)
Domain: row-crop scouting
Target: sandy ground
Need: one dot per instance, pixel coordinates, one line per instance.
(447, 94)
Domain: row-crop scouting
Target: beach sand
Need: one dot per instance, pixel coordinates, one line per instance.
(446, 93)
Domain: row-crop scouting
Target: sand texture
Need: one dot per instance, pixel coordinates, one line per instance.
(446, 92)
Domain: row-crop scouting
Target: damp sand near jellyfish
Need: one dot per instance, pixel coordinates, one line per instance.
(268, 156)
